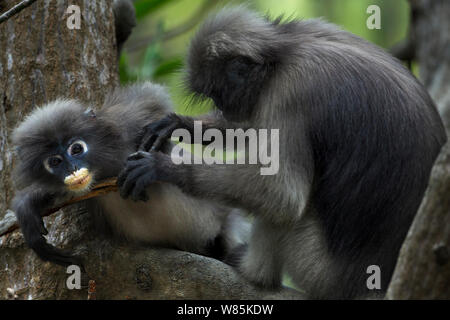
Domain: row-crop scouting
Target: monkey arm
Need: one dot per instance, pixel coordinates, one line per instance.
(233, 185)
(28, 204)
(156, 134)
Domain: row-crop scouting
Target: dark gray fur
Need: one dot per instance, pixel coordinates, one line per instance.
(124, 21)
(170, 217)
(358, 138)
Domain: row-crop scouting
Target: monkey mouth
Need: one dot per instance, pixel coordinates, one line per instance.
(78, 181)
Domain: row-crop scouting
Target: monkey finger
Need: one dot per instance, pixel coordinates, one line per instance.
(158, 143)
(43, 229)
(163, 137)
(147, 142)
(151, 130)
(130, 181)
(160, 124)
(130, 167)
(139, 192)
(122, 177)
(143, 196)
(138, 155)
(140, 189)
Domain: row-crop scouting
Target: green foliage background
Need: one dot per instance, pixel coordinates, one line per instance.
(158, 45)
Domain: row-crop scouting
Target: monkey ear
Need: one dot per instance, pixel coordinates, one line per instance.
(90, 113)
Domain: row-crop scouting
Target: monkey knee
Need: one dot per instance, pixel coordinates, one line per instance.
(235, 256)
(261, 273)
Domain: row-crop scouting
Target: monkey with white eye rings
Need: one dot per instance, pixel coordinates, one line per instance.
(358, 138)
(63, 148)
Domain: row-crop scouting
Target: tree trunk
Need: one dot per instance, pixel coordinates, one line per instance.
(423, 268)
(42, 59)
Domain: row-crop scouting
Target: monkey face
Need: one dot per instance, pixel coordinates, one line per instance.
(231, 60)
(63, 146)
(232, 82)
(69, 165)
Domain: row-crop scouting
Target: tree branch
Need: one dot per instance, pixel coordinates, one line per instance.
(137, 272)
(9, 224)
(16, 9)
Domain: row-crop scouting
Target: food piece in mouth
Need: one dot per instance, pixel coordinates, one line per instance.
(80, 180)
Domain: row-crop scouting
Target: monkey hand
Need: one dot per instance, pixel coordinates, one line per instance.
(48, 252)
(28, 205)
(157, 133)
(141, 170)
(34, 230)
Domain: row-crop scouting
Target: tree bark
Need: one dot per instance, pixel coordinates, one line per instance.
(423, 268)
(40, 60)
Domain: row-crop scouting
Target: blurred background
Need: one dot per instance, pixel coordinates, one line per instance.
(157, 47)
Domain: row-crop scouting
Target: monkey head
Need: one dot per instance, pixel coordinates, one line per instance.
(231, 59)
(64, 146)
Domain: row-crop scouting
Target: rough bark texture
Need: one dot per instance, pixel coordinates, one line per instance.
(40, 60)
(423, 268)
(120, 271)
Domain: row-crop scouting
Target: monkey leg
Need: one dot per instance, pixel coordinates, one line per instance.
(262, 262)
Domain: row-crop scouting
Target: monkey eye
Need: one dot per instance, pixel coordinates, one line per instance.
(76, 148)
(52, 162)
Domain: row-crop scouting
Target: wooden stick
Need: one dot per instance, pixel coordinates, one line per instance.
(102, 188)
(16, 9)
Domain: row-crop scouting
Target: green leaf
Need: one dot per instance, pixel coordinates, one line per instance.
(151, 59)
(167, 67)
(144, 7)
(125, 74)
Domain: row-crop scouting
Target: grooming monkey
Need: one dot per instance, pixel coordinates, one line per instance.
(64, 148)
(358, 138)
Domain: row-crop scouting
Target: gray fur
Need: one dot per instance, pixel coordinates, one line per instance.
(124, 21)
(170, 217)
(358, 138)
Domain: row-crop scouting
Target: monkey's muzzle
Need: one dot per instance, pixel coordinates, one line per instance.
(80, 180)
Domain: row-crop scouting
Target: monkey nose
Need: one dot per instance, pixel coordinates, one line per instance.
(74, 169)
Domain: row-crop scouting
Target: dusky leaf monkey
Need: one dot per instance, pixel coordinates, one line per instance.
(358, 137)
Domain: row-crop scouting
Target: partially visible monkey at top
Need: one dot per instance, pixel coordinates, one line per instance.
(358, 138)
